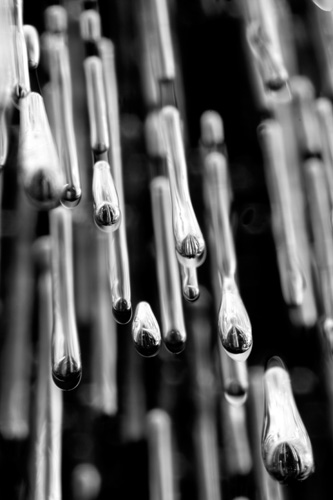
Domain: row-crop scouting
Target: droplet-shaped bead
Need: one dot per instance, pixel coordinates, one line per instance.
(286, 446)
(41, 172)
(146, 331)
(106, 205)
(233, 324)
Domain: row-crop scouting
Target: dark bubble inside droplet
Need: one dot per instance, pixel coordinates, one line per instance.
(42, 191)
(286, 464)
(190, 247)
(107, 215)
(67, 374)
(175, 341)
(236, 341)
(191, 293)
(71, 196)
(122, 312)
(146, 344)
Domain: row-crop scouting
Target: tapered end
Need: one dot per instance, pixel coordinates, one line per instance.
(67, 374)
(146, 331)
(71, 196)
(43, 191)
(287, 464)
(146, 344)
(237, 344)
(122, 312)
(191, 253)
(107, 217)
(191, 293)
(175, 341)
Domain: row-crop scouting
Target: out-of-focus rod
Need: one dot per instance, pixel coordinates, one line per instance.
(292, 277)
(161, 475)
(18, 308)
(104, 389)
(45, 464)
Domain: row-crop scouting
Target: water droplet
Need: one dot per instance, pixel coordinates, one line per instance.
(42, 189)
(41, 174)
(190, 244)
(71, 196)
(146, 331)
(67, 374)
(233, 323)
(175, 341)
(65, 352)
(286, 447)
(191, 293)
(191, 290)
(324, 4)
(190, 247)
(122, 312)
(107, 213)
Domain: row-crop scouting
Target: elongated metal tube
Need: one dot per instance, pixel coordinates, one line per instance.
(66, 357)
(119, 271)
(189, 242)
(172, 318)
(61, 84)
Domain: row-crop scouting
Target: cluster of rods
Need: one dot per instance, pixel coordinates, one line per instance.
(297, 147)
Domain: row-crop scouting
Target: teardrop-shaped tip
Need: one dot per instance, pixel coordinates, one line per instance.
(146, 344)
(286, 464)
(191, 252)
(71, 196)
(191, 293)
(175, 341)
(122, 312)
(190, 247)
(237, 344)
(43, 190)
(234, 326)
(235, 394)
(67, 374)
(107, 217)
(146, 331)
